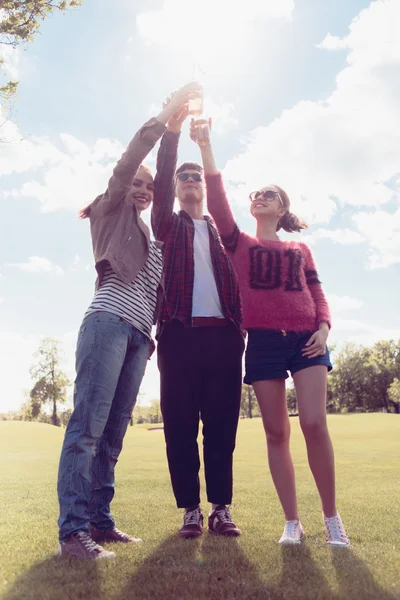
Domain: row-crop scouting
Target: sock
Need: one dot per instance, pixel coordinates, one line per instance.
(192, 508)
(214, 506)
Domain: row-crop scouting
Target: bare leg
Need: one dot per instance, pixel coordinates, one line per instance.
(310, 387)
(271, 398)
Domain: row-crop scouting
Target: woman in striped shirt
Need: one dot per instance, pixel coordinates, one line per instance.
(113, 346)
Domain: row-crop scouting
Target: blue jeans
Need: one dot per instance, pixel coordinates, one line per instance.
(111, 358)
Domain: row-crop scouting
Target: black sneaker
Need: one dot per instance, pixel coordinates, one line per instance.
(220, 522)
(192, 524)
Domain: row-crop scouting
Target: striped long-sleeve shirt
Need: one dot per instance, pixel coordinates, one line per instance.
(134, 302)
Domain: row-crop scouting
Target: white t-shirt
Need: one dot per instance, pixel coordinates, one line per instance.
(205, 294)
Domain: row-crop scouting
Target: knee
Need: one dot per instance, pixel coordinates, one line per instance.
(314, 429)
(278, 437)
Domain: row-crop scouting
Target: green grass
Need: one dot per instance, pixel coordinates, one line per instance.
(164, 567)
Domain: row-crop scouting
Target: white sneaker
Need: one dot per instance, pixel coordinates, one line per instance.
(335, 531)
(292, 534)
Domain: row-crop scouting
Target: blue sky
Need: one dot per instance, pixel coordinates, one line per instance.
(304, 94)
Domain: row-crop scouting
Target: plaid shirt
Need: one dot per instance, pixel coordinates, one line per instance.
(177, 233)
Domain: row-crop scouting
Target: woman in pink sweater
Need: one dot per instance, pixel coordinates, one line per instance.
(287, 318)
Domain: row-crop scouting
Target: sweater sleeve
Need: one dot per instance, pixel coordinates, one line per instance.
(315, 287)
(218, 206)
(125, 170)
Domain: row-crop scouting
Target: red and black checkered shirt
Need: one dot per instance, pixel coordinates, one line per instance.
(177, 233)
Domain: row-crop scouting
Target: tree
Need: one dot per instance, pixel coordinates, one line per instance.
(350, 381)
(65, 416)
(154, 412)
(248, 404)
(51, 382)
(291, 400)
(384, 362)
(20, 21)
(394, 394)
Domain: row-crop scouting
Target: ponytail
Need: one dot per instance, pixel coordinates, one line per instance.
(84, 213)
(290, 223)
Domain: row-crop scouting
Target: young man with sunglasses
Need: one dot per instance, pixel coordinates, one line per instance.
(200, 342)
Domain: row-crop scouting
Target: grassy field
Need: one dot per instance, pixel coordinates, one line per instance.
(164, 567)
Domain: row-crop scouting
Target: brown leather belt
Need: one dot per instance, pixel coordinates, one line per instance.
(209, 322)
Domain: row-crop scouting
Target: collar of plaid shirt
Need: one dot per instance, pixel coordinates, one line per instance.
(179, 273)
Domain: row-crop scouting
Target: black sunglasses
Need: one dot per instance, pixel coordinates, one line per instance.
(185, 176)
(266, 195)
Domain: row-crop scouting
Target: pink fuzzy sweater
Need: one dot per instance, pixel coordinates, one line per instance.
(278, 280)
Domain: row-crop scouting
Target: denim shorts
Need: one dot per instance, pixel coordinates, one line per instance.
(271, 353)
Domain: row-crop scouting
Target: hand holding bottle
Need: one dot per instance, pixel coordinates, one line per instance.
(200, 131)
(175, 108)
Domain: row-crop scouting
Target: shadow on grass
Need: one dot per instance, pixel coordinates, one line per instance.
(301, 578)
(57, 579)
(355, 580)
(201, 569)
(215, 568)
(211, 568)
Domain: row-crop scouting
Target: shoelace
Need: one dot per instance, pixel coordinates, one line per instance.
(87, 541)
(335, 529)
(290, 529)
(192, 517)
(119, 532)
(224, 515)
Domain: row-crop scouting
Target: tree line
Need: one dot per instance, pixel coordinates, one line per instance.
(364, 379)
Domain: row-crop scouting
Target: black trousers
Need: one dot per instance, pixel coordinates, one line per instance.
(201, 378)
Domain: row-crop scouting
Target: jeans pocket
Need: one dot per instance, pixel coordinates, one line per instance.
(107, 317)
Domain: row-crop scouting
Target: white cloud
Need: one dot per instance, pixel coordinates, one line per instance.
(172, 24)
(339, 304)
(331, 42)
(18, 155)
(339, 236)
(382, 230)
(358, 332)
(224, 117)
(11, 58)
(66, 178)
(352, 330)
(344, 150)
(38, 264)
(216, 34)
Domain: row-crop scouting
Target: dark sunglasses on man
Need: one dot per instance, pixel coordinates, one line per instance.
(185, 176)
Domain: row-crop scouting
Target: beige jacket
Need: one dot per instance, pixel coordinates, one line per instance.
(119, 235)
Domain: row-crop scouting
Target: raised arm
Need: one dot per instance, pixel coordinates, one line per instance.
(217, 201)
(140, 146)
(125, 170)
(162, 212)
